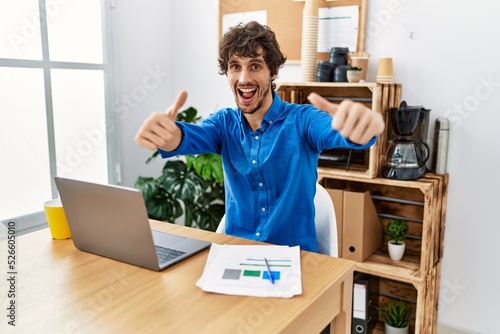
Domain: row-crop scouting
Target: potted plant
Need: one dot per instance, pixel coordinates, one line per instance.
(396, 317)
(396, 231)
(353, 74)
(193, 187)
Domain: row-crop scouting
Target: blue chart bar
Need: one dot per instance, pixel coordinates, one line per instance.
(276, 275)
(235, 274)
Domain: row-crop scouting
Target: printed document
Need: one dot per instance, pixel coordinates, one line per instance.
(242, 270)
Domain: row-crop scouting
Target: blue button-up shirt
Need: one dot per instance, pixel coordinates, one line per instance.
(269, 174)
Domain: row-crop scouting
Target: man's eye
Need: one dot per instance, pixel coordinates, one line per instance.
(233, 67)
(256, 66)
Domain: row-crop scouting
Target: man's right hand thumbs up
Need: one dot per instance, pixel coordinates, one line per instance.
(160, 130)
(173, 110)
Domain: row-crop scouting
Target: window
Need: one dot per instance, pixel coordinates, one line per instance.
(53, 102)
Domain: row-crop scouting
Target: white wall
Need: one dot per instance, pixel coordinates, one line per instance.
(143, 41)
(450, 66)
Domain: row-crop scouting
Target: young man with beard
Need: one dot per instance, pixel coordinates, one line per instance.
(269, 148)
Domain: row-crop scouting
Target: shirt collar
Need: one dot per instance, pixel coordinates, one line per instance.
(272, 113)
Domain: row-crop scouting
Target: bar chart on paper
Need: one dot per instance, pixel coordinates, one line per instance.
(256, 268)
(242, 270)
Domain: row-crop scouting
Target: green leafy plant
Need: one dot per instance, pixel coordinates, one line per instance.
(194, 187)
(397, 230)
(396, 313)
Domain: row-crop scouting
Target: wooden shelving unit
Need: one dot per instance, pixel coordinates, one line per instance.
(421, 202)
(378, 97)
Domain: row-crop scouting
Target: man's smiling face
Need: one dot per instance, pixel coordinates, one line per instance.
(250, 79)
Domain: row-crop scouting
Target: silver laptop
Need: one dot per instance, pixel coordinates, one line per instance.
(112, 221)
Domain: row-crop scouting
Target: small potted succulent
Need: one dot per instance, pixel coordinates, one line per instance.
(396, 316)
(396, 231)
(353, 74)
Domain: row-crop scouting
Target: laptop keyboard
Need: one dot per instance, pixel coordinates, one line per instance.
(167, 254)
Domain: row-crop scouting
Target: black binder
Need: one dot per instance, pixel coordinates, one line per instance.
(364, 302)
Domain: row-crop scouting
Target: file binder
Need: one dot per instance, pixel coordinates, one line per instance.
(364, 302)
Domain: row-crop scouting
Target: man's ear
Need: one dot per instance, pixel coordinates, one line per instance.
(275, 75)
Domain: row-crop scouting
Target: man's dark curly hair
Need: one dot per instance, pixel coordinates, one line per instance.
(245, 40)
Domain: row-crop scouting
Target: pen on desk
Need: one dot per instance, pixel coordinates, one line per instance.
(269, 273)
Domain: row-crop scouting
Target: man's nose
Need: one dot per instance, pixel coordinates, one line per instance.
(245, 76)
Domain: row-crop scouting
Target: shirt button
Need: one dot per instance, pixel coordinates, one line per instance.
(256, 137)
(263, 209)
(254, 162)
(261, 184)
(257, 234)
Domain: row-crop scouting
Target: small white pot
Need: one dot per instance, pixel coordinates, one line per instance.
(396, 251)
(353, 75)
(394, 330)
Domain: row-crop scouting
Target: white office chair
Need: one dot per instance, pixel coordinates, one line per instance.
(326, 223)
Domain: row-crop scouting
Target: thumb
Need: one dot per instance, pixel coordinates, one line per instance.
(322, 103)
(173, 110)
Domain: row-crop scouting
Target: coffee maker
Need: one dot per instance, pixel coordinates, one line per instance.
(407, 151)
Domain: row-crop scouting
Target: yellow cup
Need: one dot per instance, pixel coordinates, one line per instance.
(385, 68)
(56, 218)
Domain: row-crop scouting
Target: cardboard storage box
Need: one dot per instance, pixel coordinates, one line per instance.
(359, 229)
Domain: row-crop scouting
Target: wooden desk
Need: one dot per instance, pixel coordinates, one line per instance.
(63, 290)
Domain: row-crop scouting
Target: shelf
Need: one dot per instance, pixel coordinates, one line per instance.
(381, 291)
(421, 202)
(376, 96)
(422, 183)
(379, 264)
(422, 299)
